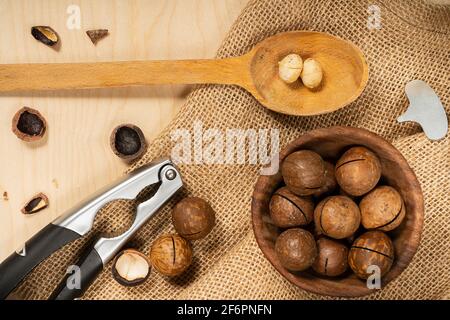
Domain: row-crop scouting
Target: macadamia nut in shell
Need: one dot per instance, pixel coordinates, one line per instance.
(382, 209)
(331, 259)
(373, 248)
(358, 171)
(337, 217)
(288, 210)
(171, 254)
(131, 268)
(296, 249)
(193, 218)
(303, 172)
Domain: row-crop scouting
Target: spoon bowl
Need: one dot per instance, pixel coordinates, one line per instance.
(345, 73)
(344, 66)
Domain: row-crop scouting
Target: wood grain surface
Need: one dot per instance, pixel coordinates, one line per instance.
(75, 159)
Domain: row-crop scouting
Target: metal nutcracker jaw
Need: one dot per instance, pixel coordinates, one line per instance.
(81, 218)
(170, 183)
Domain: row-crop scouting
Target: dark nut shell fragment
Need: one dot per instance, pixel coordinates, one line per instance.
(288, 210)
(193, 218)
(373, 248)
(171, 255)
(28, 124)
(37, 203)
(303, 172)
(131, 268)
(128, 142)
(296, 249)
(45, 34)
(97, 35)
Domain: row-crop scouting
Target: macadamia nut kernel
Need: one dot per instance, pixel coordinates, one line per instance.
(311, 73)
(290, 67)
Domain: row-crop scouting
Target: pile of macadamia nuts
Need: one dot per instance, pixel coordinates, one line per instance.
(292, 67)
(171, 254)
(335, 215)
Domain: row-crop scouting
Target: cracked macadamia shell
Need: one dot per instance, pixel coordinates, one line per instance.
(337, 217)
(372, 249)
(171, 255)
(296, 249)
(288, 210)
(331, 258)
(382, 209)
(358, 171)
(193, 218)
(303, 172)
(131, 268)
(29, 125)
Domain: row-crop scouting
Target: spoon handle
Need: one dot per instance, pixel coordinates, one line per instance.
(55, 76)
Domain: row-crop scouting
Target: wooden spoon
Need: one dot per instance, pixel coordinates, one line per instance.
(344, 66)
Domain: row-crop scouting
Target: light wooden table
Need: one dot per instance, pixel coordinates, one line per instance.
(76, 159)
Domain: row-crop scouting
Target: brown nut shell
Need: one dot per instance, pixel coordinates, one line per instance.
(382, 209)
(296, 249)
(337, 217)
(45, 34)
(193, 218)
(37, 203)
(330, 181)
(331, 259)
(171, 255)
(288, 210)
(28, 124)
(97, 35)
(131, 268)
(373, 248)
(303, 172)
(128, 142)
(358, 171)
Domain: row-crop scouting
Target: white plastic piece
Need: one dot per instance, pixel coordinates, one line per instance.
(426, 109)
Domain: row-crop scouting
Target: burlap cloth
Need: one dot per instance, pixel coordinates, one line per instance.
(413, 43)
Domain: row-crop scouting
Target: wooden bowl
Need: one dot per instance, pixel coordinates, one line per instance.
(331, 143)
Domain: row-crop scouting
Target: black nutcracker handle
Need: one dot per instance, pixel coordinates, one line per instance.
(74, 285)
(17, 266)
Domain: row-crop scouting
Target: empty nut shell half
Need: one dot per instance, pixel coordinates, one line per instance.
(131, 268)
(45, 34)
(128, 142)
(37, 203)
(28, 124)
